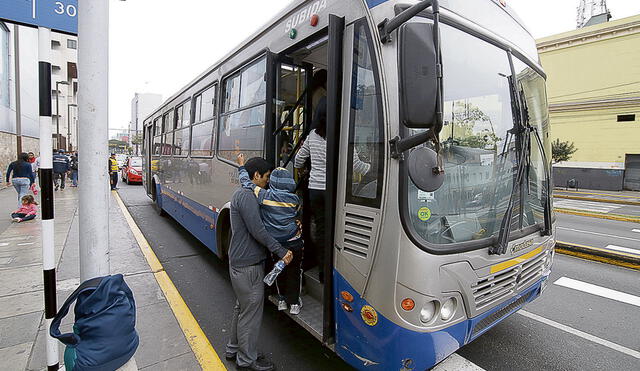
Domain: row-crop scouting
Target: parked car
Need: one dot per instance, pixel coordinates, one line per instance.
(122, 159)
(132, 170)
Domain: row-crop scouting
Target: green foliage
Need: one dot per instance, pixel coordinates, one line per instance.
(562, 151)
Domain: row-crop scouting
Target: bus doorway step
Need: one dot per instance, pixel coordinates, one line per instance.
(312, 285)
(310, 316)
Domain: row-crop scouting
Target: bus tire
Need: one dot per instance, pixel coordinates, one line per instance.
(156, 201)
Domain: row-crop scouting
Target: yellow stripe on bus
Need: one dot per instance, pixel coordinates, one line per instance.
(515, 261)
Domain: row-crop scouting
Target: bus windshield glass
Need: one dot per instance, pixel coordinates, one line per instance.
(479, 148)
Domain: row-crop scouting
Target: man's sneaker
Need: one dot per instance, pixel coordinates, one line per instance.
(56, 188)
(229, 356)
(259, 365)
(282, 305)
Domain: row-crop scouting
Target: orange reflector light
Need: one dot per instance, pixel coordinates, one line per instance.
(347, 307)
(408, 304)
(346, 296)
(314, 20)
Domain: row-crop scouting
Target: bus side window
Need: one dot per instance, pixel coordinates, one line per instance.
(202, 131)
(365, 161)
(242, 122)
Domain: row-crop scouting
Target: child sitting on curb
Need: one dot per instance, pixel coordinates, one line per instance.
(278, 210)
(27, 211)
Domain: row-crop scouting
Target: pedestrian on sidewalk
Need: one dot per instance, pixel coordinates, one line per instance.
(74, 170)
(35, 165)
(247, 255)
(113, 171)
(27, 210)
(60, 168)
(22, 176)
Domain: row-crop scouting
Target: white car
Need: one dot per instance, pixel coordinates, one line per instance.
(121, 158)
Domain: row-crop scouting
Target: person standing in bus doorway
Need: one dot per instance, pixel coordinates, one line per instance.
(113, 171)
(247, 255)
(60, 169)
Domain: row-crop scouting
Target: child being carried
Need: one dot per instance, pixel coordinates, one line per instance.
(278, 210)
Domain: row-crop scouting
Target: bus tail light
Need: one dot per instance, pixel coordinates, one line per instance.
(448, 309)
(428, 311)
(408, 304)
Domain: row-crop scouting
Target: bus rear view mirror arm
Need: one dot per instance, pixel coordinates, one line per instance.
(386, 27)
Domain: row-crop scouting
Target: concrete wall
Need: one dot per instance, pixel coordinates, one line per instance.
(600, 179)
(8, 148)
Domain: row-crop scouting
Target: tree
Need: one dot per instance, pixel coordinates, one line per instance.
(137, 139)
(562, 151)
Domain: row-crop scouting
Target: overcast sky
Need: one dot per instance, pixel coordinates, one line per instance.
(158, 46)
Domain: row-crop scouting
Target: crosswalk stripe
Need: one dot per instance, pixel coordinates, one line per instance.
(456, 362)
(623, 249)
(635, 230)
(584, 335)
(599, 234)
(586, 205)
(604, 292)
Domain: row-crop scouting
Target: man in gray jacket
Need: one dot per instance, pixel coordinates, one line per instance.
(247, 255)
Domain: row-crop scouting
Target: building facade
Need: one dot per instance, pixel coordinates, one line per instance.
(594, 95)
(19, 92)
(141, 106)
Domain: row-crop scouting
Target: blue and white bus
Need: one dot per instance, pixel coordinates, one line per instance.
(449, 232)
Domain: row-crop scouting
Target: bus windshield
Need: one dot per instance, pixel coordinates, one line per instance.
(479, 148)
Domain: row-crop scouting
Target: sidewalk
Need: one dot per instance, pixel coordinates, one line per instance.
(621, 197)
(163, 345)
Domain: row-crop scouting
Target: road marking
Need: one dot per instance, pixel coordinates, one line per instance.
(198, 341)
(584, 335)
(26, 243)
(601, 234)
(623, 249)
(457, 362)
(599, 207)
(598, 290)
(4, 244)
(635, 230)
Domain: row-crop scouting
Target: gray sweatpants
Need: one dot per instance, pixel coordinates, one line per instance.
(247, 312)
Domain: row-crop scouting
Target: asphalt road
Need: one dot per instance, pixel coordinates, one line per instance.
(600, 233)
(566, 329)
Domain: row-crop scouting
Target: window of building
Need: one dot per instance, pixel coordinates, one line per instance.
(242, 122)
(366, 147)
(626, 118)
(72, 44)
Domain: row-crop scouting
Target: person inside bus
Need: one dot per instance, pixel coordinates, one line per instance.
(279, 210)
(247, 254)
(315, 149)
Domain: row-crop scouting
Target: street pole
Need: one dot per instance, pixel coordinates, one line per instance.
(16, 52)
(58, 83)
(93, 104)
(69, 126)
(46, 195)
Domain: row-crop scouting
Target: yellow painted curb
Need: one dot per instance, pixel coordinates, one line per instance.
(198, 341)
(606, 200)
(595, 194)
(619, 218)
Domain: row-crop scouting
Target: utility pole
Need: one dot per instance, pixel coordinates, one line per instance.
(46, 195)
(93, 133)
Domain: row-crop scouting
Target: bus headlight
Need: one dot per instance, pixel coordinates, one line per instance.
(428, 311)
(448, 309)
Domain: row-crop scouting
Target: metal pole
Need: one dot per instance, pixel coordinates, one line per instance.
(93, 133)
(57, 115)
(16, 52)
(46, 196)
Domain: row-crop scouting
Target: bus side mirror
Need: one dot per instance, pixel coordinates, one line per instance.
(418, 75)
(423, 168)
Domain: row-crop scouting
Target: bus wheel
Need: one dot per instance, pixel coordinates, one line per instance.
(156, 204)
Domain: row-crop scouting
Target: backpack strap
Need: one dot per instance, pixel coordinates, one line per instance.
(54, 330)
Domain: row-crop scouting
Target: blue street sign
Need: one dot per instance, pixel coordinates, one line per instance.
(59, 15)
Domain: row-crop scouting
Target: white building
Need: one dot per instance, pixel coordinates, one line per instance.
(64, 74)
(19, 90)
(141, 106)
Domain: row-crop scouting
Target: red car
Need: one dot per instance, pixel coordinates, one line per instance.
(132, 170)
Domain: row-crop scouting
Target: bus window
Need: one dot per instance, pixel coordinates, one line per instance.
(183, 115)
(202, 132)
(366, 148)
(242, 123)
(201, 139)
(181, 141)
(208, 102)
